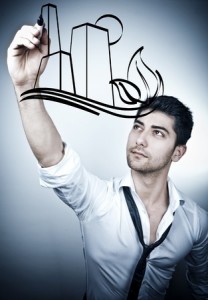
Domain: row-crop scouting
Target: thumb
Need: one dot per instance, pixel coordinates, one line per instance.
(44, 42)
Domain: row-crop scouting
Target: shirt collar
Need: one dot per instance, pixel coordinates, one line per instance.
(175, 197)
(127, 180)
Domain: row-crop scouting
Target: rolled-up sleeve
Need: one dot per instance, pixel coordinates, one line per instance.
(197, 260)
(59, 174)
(74, 185)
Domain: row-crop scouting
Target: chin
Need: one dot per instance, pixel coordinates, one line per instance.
(135, 165)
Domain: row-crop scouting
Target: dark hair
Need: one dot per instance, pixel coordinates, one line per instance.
(173, 107)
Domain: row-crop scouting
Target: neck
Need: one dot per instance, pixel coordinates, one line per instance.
(151, 188)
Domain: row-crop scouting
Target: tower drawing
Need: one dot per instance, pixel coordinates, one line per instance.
(59, 67)
(90, 51)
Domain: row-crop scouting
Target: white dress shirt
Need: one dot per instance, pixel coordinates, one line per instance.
(111, 245)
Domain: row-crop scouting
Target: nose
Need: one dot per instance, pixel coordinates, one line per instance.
(141, 139)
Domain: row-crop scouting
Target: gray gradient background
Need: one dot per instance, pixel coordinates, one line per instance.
(40, 243)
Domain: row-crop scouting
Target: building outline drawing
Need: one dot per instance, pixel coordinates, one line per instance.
(85, 84)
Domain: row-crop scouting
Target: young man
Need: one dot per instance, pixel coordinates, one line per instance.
(137, 228)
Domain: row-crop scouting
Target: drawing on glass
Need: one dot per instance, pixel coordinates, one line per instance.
(84, 76)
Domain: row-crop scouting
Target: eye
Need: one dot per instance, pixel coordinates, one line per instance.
(136, 127)
(159, 133)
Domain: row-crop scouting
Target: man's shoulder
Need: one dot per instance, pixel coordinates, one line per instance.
(188, 204)
(197, 217)
(191, 205)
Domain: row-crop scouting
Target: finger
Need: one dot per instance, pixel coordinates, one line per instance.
(26, 37)
(44, 43)
(28, 32)
(45, 38)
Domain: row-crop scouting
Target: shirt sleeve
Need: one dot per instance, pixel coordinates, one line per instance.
(75, 186)
(197, 260)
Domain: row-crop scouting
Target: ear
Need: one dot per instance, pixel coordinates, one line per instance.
(178, 152)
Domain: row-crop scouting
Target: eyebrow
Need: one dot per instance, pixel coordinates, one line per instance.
(153, 126)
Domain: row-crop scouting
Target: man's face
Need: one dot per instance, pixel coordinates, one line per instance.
(151, 143)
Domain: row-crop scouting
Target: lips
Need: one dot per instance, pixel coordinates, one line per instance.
(139, 153)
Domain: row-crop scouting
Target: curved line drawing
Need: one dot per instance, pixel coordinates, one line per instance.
(89, 105)
(118, 20)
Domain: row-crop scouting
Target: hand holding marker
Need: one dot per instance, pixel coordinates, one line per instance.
(40, 25)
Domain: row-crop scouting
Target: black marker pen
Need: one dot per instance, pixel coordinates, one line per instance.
(40, 25)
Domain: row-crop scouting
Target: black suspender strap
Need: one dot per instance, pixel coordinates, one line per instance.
(141, 265)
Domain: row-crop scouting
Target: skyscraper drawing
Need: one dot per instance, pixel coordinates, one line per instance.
(83, 77)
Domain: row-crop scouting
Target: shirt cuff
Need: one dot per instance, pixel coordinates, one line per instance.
(58, 175)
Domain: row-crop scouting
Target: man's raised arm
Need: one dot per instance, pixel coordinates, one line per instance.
(23, 59)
